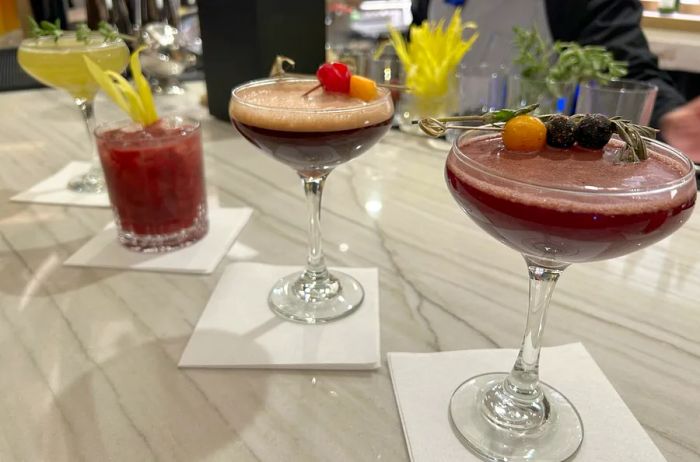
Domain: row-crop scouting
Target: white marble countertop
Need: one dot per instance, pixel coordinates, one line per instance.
(88, 356)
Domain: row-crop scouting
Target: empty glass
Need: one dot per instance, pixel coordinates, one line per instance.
(629, 99)
(552, 96)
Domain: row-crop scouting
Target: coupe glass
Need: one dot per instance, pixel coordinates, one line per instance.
(513, 416)
(313, 295)
(59, 64)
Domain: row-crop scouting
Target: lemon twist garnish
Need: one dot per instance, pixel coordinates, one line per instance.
(138, 103)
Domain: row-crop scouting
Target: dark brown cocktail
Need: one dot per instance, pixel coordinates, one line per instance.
(312, 132)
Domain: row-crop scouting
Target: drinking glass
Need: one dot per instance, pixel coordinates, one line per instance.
(155, 180)
(513, 416)
(551, 95)
(411, 106)
(59, 63)
(312, 141)
(629, 99)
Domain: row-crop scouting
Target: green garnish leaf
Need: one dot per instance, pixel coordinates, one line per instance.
(45, 28)
(564, 61)
(82, 33)
(108, 32)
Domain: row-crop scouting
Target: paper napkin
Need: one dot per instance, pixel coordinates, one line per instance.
(53, 190)
(424, 382)
(104, 250)
(238, 328)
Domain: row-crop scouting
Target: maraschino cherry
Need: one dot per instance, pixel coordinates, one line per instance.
(336, 77)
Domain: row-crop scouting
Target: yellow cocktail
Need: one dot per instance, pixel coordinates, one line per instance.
(60, 64)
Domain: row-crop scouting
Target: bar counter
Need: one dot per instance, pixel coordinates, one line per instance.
(89, 356)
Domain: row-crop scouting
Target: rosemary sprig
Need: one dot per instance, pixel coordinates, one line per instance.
(438, 126)
(632, 134)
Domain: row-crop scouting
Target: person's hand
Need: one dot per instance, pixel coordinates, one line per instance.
(681, 129)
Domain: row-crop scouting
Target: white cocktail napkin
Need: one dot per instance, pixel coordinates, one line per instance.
(53, 190)
(238, 329)
(424, 383)
(104, 250)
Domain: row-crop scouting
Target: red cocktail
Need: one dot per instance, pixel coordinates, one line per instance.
(570, 205)
(155, 179)
(556, 207)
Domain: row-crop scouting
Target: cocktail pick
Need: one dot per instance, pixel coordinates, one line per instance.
(584, 126)
(438, 126)
(334, 77)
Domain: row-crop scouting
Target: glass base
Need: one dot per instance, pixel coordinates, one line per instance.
(91, 182)
(156, 243)
(558, 438)
(310, 298)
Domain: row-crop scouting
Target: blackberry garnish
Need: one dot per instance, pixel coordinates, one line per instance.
(594, 131)
(560, 132)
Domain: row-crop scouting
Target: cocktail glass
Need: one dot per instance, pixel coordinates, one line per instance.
(59, 64)
(155, 180)
(312, 141)
(513, 416)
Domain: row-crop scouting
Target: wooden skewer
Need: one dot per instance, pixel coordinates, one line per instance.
(294, 75)
(311, 90)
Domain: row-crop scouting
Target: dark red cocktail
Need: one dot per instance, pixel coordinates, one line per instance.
(570, 205)
(155, 179)
(314, 152)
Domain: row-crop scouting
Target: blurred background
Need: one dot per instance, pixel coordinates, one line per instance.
(353, 31)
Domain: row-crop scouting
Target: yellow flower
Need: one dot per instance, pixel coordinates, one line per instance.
(433, 53)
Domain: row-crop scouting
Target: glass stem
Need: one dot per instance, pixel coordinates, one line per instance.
(517, 402)
(315, 262)
(87, 110)
(523, 381)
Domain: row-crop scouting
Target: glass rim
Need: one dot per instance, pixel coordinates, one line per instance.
(617, 192)
(545, 80)
(269, 80)
(190, 126)
(32, 42)
(610, 87)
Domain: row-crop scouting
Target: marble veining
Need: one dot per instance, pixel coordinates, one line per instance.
(89, 356)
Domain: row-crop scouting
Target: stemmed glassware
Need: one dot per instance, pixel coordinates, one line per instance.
(58, 63)
(312, 134)
(553, 220)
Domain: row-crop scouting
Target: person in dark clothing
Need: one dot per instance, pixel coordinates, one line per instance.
(614, 24)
